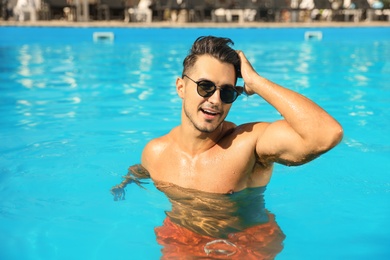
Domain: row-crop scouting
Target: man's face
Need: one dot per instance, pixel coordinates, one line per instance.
(205, 113)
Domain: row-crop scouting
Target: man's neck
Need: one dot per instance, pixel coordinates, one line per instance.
(194, 142)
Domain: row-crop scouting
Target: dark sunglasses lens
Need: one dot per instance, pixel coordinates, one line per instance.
(206, 88)
(228, 95)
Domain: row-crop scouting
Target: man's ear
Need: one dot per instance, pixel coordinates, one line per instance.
(180, 87)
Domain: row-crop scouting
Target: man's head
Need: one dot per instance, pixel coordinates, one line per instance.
(207, 86)
(216, 47)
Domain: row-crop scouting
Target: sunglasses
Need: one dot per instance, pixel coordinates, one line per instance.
(207, 88)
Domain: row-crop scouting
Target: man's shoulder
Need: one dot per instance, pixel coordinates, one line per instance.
(153, 149)
(158, 144)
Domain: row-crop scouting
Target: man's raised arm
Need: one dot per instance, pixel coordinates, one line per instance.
(306, 131)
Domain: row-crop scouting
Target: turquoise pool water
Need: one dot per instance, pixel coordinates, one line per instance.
(74, 114)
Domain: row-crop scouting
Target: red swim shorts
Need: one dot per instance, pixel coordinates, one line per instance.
(263, 241)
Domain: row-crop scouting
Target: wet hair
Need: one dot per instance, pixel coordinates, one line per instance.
(217, 47)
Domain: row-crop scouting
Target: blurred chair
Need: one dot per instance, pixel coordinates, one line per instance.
(218, 14)
(322, 10)
(348, 9)
(386, 12)
(56, 9)
(376, 10)
(196, 10)
(163, 8)
(303, 10)
(7, 7)
(178, 11)
(172, 10)
(23, 7)
(225, 10)
(112, 8)
(250, 8)
(141, 12)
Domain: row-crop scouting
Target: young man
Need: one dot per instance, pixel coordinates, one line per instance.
(215, 172)
(209, 154)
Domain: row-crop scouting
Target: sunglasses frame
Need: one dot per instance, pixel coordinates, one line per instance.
(238, 90)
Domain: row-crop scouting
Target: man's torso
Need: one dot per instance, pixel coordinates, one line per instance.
(229, 166)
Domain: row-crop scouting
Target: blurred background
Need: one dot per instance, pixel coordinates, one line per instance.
(196, 11)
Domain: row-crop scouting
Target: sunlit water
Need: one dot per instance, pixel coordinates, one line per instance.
(74, 114)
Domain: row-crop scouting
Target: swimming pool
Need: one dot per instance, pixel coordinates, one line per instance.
(75, 113)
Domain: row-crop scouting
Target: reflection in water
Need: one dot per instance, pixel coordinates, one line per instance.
(202, 224)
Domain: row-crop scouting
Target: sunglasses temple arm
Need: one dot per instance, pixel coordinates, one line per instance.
(240, 90)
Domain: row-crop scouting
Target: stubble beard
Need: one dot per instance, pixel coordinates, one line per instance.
(198, 126)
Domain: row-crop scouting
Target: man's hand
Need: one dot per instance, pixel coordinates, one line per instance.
(247, 73)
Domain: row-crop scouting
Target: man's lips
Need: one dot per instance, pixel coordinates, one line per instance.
(210, 112)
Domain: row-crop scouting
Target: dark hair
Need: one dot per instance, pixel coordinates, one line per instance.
(217, 47)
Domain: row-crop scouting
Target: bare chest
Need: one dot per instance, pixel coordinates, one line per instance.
(217, 170)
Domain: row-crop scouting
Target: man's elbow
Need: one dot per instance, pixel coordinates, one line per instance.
(319, 147)
(331, 138)
(339, 133)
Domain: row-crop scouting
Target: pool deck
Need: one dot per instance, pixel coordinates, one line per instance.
(316, 24)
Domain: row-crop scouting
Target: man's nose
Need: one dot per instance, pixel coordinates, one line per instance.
(215, 98)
